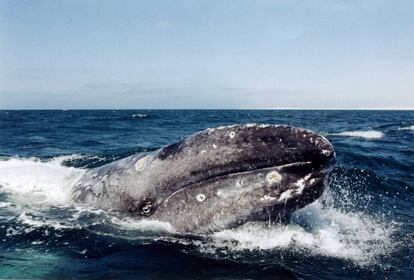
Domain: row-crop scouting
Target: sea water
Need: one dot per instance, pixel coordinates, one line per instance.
(361, 228)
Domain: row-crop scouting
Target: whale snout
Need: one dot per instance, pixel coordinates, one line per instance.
(323, 158)
(260, 146)
(246, 147)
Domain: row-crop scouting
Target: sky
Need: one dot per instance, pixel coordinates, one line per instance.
(91, 54)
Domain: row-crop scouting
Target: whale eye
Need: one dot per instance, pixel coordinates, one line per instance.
(146, 208)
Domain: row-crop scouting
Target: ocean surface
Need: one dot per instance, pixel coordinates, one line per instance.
(361, 228)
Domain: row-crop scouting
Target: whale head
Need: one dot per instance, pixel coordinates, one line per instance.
(231, 175)
(223, 177)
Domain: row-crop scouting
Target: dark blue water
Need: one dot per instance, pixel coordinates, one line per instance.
(361, 228)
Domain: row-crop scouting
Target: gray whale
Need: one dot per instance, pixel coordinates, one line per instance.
(216, 179)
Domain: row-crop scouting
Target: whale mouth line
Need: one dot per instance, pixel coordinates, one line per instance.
(324, 168)
(312, 174)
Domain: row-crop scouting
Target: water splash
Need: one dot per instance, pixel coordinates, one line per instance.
(316, 230)
(33, 181)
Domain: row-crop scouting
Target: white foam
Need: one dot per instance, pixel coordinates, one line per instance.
(407, 128)
(329, 232)
(86, 210)
(367, 134)
(142, 225)
(139, 115)
(40, 222)
(5, 204)
(30, 180)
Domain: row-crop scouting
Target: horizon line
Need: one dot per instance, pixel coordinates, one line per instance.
(205, 109)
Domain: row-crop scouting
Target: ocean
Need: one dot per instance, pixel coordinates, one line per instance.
(361, 228)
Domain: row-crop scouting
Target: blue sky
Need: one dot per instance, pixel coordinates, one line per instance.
(206, 54)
